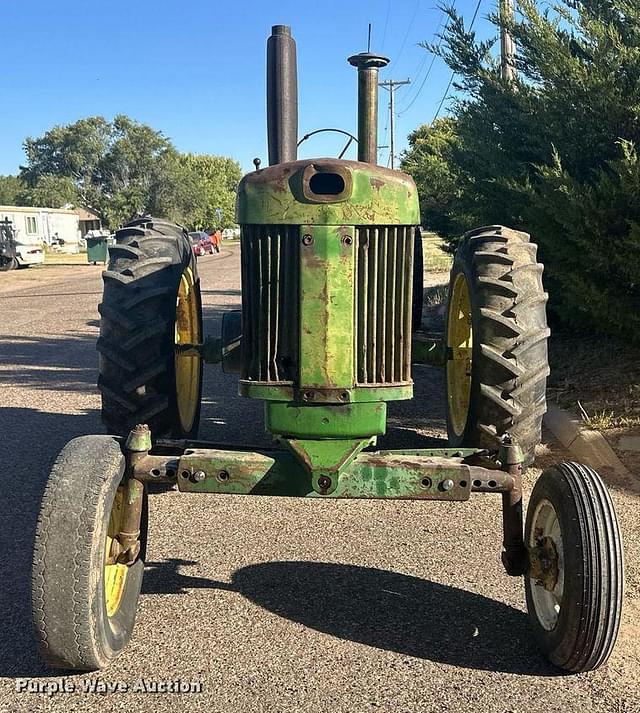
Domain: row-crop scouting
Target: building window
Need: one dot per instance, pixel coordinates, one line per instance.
(32, 225)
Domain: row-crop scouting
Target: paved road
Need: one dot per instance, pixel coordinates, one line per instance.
(278, 605)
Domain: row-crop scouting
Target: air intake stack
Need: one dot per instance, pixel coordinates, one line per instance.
(368, 65)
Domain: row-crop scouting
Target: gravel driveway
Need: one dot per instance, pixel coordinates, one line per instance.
(277, 604)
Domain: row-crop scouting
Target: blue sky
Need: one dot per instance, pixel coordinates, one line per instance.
(195, 69)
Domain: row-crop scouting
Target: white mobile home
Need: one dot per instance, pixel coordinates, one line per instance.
(35, 226)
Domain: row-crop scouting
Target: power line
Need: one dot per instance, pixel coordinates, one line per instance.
(384, 144)
(423, 62)
(420, 66)
(475, 14)
(420, 88)
(406, 34)
(390, 85)
(444, 96)
(426, 76)
(425, 57)
(386, 22)
(446, 91)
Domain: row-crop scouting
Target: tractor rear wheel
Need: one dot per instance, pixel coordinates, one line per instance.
(496, 339)
(151, 303)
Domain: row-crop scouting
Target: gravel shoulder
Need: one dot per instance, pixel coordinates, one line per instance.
(279, 604)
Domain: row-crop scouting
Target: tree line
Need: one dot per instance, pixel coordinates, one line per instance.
(553, 153)
(122, 168)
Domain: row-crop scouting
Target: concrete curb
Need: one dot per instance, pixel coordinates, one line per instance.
(587, 446)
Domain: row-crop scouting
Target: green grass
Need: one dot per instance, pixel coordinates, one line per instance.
(435, 295)
(601, 420)
(52, 258)
(435, 259)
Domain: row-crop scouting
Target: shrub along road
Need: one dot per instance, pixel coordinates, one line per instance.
(277, 604)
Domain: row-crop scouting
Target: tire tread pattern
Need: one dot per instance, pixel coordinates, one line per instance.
(65, 536)
(510, 364)
(598, 613)
(136, 354)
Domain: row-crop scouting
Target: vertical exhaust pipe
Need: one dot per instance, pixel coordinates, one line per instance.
(368, 65)
(282, 96)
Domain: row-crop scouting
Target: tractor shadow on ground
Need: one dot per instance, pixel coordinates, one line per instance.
(386, 610)
(59, 363)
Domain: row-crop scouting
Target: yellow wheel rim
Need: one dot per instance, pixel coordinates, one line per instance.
(187, 366)
(115, 575)
(459, 354)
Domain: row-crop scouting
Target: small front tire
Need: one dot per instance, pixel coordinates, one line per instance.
(83, 607)
(575, 581)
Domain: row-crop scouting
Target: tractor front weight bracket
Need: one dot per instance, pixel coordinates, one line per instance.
(342, 468)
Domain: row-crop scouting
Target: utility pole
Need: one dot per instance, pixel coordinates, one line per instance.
(507, 44)
(390, 85)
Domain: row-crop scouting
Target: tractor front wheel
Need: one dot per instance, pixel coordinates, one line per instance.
(575, 579)
(84, 599)
(150, 306)
(496, 340)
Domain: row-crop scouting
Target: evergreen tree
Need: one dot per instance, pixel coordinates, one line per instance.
(554, 153)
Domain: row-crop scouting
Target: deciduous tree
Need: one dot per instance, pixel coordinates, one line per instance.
(124, 168)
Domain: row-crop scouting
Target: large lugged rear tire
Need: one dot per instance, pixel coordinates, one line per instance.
(496, 333)
(151, 302)
(84, 607)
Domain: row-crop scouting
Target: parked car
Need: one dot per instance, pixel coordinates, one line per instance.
(201, 243)
(27, 254)
(231, 234)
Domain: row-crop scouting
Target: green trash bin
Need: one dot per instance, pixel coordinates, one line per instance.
(97, 249)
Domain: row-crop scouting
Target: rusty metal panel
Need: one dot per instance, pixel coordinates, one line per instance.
(277, 194)
(328, 468)
(326, 307)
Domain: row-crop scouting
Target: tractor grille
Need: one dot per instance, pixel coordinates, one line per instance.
(270, 302)
(382, 303)
(383, 283)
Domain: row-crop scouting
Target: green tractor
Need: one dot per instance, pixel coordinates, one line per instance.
(329, 329)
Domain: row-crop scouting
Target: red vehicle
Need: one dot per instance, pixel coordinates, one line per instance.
(201, 243)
